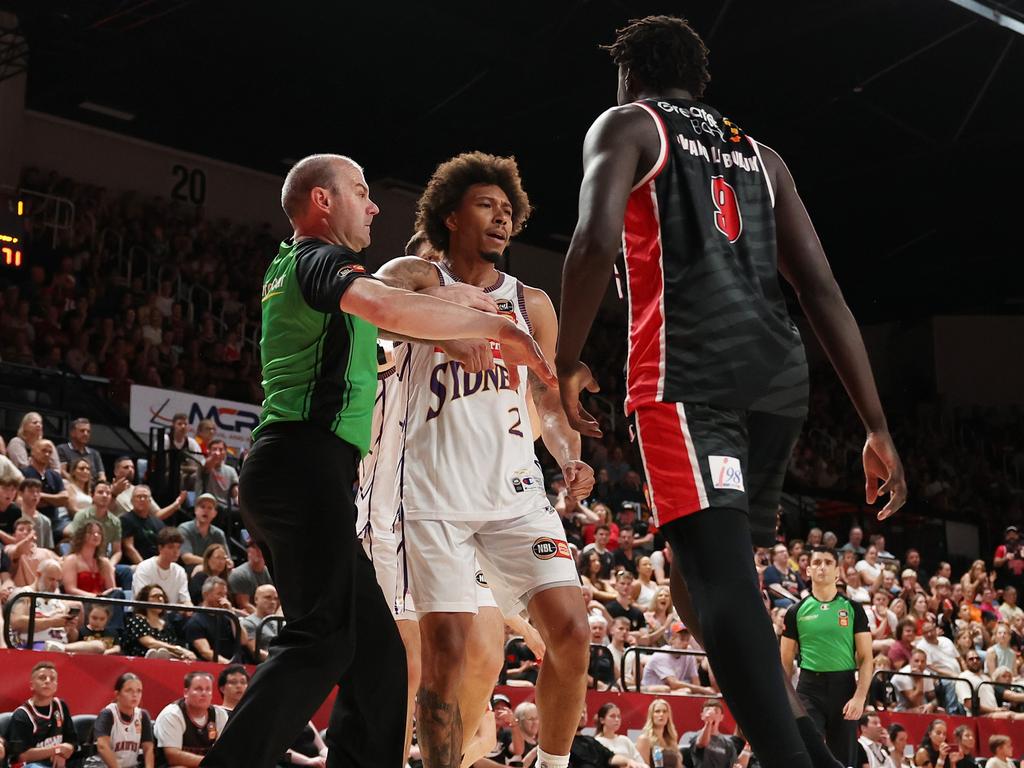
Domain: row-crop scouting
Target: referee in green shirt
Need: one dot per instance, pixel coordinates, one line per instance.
(831, 635)
(321, 311)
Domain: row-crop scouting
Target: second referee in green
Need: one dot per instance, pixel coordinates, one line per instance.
(831, 635)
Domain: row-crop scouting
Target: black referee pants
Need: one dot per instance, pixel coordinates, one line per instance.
(296, 499)
(824, 694)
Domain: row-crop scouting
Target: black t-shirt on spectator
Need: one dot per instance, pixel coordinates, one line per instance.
(52, 483)
(9, 517)
(216, 629)
(588, 752)
(602, 666)
(143, 530)
(517, 653)
(634, 614)
(620, 558)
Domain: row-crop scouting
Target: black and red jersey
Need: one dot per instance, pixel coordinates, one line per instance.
(707, 318)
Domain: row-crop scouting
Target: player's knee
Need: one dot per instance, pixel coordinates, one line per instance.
(443, 650)
(569, 643)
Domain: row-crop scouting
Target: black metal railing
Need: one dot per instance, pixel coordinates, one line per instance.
(274, 619)
(32, 597)
(888, 674)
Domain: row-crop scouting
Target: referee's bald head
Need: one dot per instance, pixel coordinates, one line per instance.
(307, 174)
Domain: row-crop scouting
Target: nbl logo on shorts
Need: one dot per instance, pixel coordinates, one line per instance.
(545, 549)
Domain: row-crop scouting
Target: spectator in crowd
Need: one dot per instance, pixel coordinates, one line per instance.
(25, 556)
(200, 533)
(1008, 560)
(506, 740)
(248, 576)
(881, 621)
(919, 612)
(625, 555)
(900, 746)
(782, 582)
(662, 561)
(659, 732)
(1001, 748)
(912, 561)
(855, 589)
(1000, 654)
(882, 694)
(709, 747)
(527, 724)
(87, 573)
(78, 448)
(31, 495)
(916, 691)
(590, 573)
(600, 545)
(205, 431)
(830, 540)
(147, 633)
(970, 679)
(673, 672)
(125, 493)
(871, 749)
(644, 586)
(79, 486)
(56, 621)
(1008, 608)
(1007, 698)
(215, 563)
(976, 578)
(123, 729)
(10, 481)
(659, 619)
(618, 642)
(943, 660)
(623, 604)
(308, 749)
(163, 570)
(140, 527)
(869, 568)
(54, 496)
(636, 517)
(99, 512)
(187, 449)
(604, 517)
(217, 476)
(19, 449)
(601, 669)
(967, 745)
(97, 629)
(607, 724)
(186, 729)
(41, 731)
(587, 752)
(267, 604)
(935, 749)
(855, 542)
(232, 682)
(211, 636)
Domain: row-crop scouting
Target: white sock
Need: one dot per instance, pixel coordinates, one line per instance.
(544, 760)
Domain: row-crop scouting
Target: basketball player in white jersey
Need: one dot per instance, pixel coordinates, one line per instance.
(379, 526)
(470, 480)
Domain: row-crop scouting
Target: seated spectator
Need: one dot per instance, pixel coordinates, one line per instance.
(1001, 748)
(601, 670)
(871, 744)
(645, 586)
(189, 453)
(99, 512)
(673, 672)
(855, 542)
(267, 604)
(882, 693)
(24, 555)
(618, 642)
(124, 493)
(123, 730)
(623, 604)
(201, 533)
(139, 527)
(31, 493)
(232, 682)
(186, 729)
(77, 449)
(53, 499)
(661, 560)
(29, 433)
(308, 749)
(521, 663)
(10, 482)
(97, 629)
(604, 517)
(900, 746)
(917, 693)
(147, 633)
(659, 733)
(934, 748)
(590, 575)
(607, 724)
(625, 555)
(870, 569)
(899, 652)
(56, 621)
(216, 476)
(602, 533)
(976, 578)
(1007, 697)
(163, 568)
(587, 752)
(41, 731)
(215, 563)
(248, 576)
(79, 487)
(526, 728)
(881, 621)
(943, 660)
(971, 677)
(919, 612)
(1008, 608)
(709, 747)
(658, 619)
(967, 745)
(856, 591)
(637, 517)
(1000, 654)
(86, 572)
(211, 636)
(782, 582)
(504, 737)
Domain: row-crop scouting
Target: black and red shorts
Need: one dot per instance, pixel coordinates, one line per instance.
(698, 456)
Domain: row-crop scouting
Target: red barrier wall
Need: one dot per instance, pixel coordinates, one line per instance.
(87, 684)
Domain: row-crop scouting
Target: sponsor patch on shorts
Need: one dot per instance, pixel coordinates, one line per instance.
(546, 548)
(726, 473)
(481, 580)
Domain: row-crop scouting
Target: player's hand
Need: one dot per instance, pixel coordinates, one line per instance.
(854, 709)
(882, 465)
(519, 348)
(571, 381)
(466, 295)
(579, 476)
(474, 354)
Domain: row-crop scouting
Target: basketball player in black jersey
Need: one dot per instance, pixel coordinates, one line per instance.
(716, 374)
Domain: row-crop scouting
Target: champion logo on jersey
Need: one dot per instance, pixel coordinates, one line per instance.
(481, 579)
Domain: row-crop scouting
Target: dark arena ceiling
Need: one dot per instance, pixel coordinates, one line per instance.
(901, 119)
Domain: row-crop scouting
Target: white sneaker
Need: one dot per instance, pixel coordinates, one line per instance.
(53, 646)
(159, 653)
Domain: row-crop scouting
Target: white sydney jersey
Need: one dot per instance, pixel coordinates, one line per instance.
(126, 738)
(378, 498)
(468, 440)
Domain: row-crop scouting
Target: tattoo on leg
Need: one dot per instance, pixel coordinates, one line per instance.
(438, 730)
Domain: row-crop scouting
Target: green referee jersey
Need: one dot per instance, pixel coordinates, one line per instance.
(825, 632)
(319, 363)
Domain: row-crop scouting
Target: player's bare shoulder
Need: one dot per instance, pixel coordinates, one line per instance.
(540, 310)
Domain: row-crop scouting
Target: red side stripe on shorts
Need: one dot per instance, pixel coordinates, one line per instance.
(670, 462)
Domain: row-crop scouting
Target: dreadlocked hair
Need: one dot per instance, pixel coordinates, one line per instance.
(662, 52)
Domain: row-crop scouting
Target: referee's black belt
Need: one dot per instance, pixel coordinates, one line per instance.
(826, 675)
